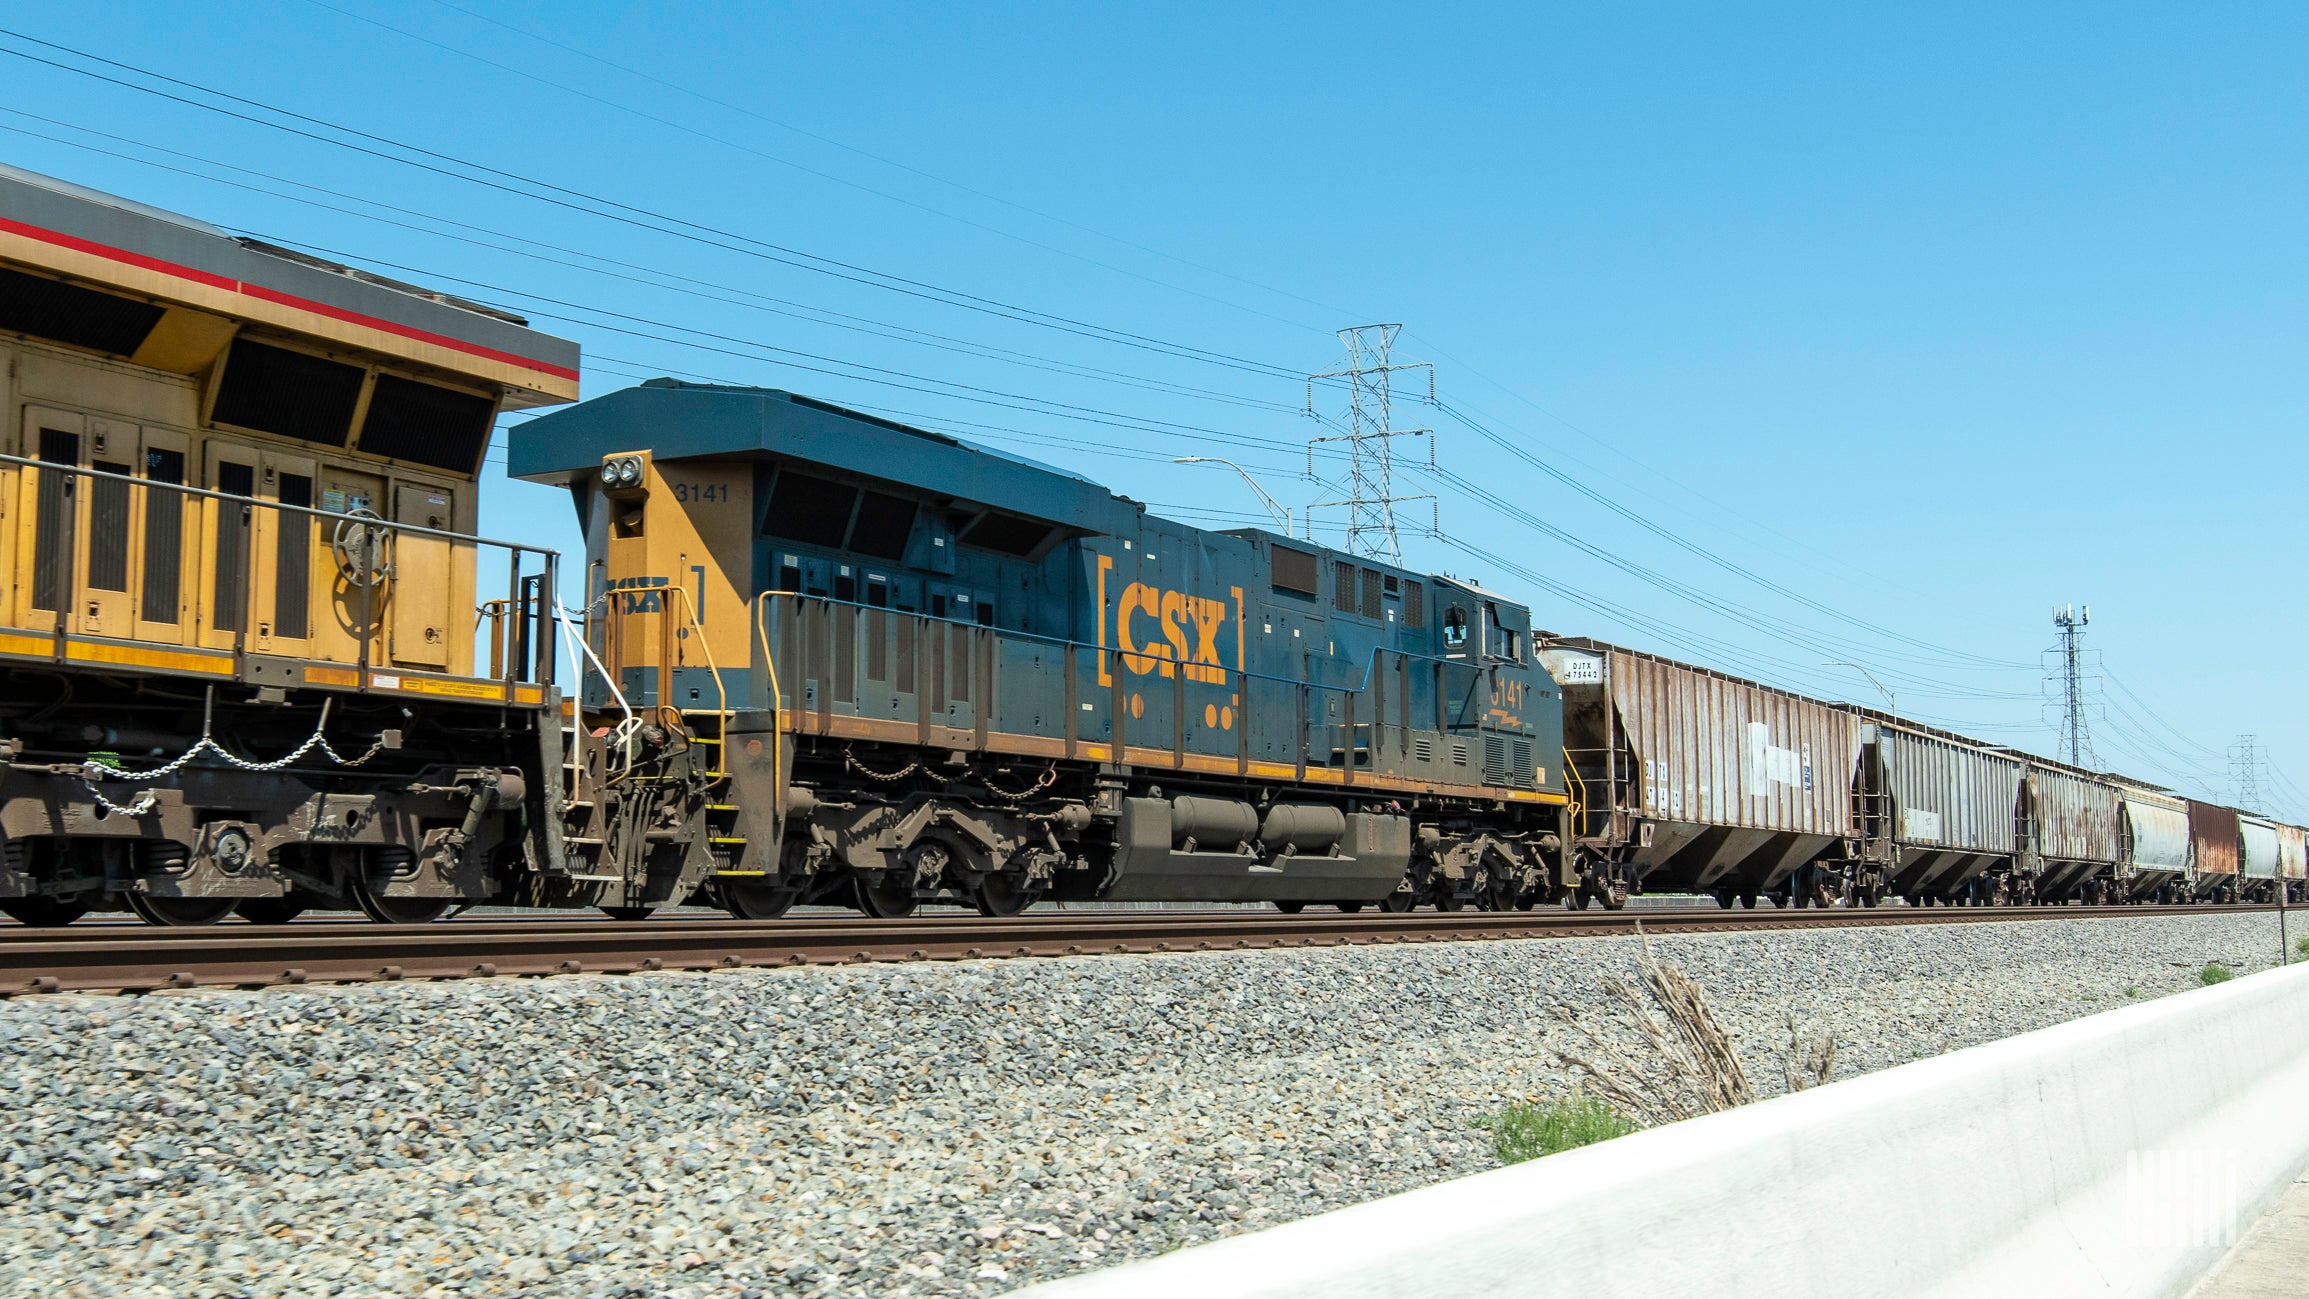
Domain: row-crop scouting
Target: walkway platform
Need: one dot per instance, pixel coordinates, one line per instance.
(2271, 1260)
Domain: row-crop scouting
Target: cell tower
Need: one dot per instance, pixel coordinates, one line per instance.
(2245, 770)
(2077, 743)
(1370, 437)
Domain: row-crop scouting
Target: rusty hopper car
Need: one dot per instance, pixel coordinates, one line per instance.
(939, 673)
(2073, 834)
(2216, 849)
(1694, 781)
(239, 632)
(2155, 850)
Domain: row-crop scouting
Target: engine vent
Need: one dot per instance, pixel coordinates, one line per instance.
(292, 394)
(1459, 753)
(67, 313)
(1422, 749)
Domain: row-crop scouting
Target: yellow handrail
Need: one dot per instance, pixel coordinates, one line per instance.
(777, 694)
(721, 692)
(1577, 788)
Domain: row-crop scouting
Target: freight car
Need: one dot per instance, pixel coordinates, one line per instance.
(935, 673)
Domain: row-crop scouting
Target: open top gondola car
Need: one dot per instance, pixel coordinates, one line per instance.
(239, 617)
(927, 671)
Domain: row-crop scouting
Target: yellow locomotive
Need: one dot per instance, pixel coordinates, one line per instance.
(252, 654)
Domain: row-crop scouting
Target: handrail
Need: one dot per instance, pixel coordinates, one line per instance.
(187, 489)
(1577, 788)
(721, 692)
(777, 694)
(1370, 670)
(497, 614)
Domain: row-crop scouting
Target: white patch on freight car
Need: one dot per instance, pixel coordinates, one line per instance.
(1915, 823)
(1769, 764)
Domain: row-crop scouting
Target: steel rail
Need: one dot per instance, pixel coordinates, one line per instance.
(116, 959)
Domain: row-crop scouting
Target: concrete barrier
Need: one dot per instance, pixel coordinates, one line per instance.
(2113, 1155)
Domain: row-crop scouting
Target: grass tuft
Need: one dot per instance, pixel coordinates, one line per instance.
(2301, 945)
(1528, 1131)
(2215, 972)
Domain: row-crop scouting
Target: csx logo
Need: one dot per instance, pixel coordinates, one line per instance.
(1188, 626)
(1169, 632)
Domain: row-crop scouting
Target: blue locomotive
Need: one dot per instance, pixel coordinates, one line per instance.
(910, 669)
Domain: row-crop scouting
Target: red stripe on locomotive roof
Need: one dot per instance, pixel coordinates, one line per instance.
(122, 255)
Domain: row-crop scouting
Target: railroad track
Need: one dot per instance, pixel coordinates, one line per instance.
(123, 959)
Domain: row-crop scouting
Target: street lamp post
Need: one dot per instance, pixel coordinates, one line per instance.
(1890, 704)
(1274, 509)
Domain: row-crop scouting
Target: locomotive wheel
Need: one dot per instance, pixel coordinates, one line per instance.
(1004, 895)
(1576, 900)
(270, 911)
(757, 901)
(629, 914)
(1450, 901)
(180, 912)
(1399, 900)
(1290, 908)
(888, 898)
(398, 911)
(44, 913)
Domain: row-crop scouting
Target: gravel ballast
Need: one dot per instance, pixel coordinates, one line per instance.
(891, 1129)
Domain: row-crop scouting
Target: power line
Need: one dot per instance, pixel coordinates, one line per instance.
(603, 208)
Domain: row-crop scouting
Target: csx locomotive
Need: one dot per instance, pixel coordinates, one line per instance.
(256, 657)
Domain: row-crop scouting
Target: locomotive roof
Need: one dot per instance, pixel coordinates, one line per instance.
(675, 420)
(102, 238)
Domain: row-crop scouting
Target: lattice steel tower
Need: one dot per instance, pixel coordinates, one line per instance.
(2245, 769)
(2077, 742)
(1370, 437)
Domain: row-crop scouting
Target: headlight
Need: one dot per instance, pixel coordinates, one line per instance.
(609, 473)
(628, 471)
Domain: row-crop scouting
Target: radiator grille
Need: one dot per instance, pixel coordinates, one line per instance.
(52, 541)
(108, 528)
(163, 535)
(232, 547)
(293, 561)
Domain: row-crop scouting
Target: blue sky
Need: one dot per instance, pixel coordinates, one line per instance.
(1893, 327)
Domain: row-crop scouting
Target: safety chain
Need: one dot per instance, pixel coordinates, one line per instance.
(1048, 778)
(208, 744)
(850, 760)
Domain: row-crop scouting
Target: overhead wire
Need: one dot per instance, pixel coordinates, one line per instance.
(575, 200)
(681, 228)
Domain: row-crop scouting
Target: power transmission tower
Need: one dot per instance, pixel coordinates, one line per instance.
(2077, 743)
(2245, 770)
(1370, 437)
